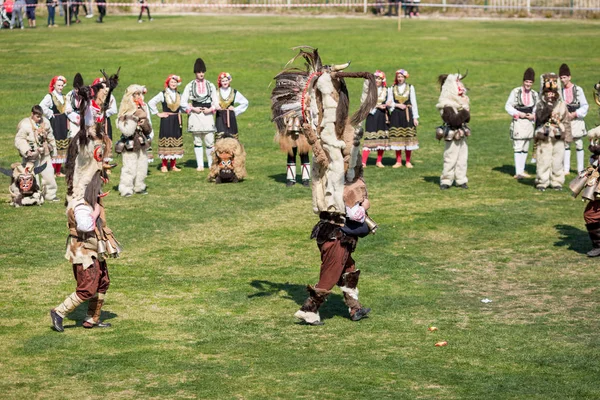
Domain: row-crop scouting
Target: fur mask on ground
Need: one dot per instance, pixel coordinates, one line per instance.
(229, 161)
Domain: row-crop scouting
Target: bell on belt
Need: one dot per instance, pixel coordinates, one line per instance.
(101, 247)
(589, 192)
(371, 224)
(578, 183)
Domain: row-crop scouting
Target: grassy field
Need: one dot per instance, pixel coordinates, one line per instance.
(202, 299)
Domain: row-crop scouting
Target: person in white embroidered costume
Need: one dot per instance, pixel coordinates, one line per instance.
(226, 116)
(404, 119)
(578, 106)
(170, 138)
(520, 106)
(53, 106)
(36, 144)
(200, 101)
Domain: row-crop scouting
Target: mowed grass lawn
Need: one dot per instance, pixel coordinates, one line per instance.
(202, 299)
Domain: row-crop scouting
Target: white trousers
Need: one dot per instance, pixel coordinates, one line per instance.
(550, 159)
(209, 143)
(134, 172)
(456, 154)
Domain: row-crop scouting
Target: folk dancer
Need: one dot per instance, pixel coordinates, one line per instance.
(577, 105)
(521, 107)
(90, 242)
(553, 130)
(454, 107)
(404, 119)
(54, 105)
(36, 144)
(170, 137)
(377, 124)
(226, 116)
(200, 101)
(136, 127)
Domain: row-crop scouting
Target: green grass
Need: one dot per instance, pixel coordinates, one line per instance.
(202, 298)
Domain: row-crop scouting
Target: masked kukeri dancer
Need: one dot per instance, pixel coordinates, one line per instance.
(521, 107)
(136, 128)
(404, 119)
(24, 189)
(577, 106)
(453, 106)
(553, 130)
(200, 101)
(378, 121)
(54, 105)
(170, 138)
(36, 144)
(339, 193)
(90, 241)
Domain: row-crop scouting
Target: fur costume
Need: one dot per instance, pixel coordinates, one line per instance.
(551, 112)
(319, 98)
(90, 241)
(453, 105)
(136, 128)
(229, 161)
(24, 189)
(596, 131)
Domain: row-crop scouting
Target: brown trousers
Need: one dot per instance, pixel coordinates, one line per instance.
(592, 212)
(335, 261)
(91, 280)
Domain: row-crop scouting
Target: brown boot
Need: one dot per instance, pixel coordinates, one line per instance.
(594, 232)
(309, 312)
(92, 319)
(348, 284)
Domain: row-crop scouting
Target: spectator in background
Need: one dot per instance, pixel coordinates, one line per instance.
(8, 8)
(51, 5)
(101, 10)
(31, 5)
(17, 13)
(393, 4)
(144, 6)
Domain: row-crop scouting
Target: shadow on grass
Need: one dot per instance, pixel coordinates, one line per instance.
(334, 306)
(510, 170)
(432, 179)
(281, 178)
(574, 239)
(78, 316)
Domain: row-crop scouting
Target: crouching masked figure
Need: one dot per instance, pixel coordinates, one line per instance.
(135, 125)
(90, 242)
(229, 161)
(24, 189)
(339, 192)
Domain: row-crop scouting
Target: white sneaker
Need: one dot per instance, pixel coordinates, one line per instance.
(140, 21)
(90, 16)
(151, 19)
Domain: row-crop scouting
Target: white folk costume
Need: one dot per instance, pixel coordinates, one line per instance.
(54, 107)
(377, 125)
(403, 129)
(339, 192)
(90, 242)
(170, 137)
(574, 98)
(136, 128)
(201, 95)
(226, 118)
(521, 107)
(552, 131)
(454, 108)
(72, 107)
(36, 144)
(24, 188)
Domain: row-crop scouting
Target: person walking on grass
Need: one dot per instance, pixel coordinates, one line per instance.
(144, 6)
(521, 107)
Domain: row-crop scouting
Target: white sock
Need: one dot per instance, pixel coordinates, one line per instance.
(580, 156)
(199, 156)
(209, 152)
(518, 164)
(305, 172)
(291, 172)
(567, 163)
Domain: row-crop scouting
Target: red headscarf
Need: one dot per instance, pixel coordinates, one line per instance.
(172, 76)
(54, 80)
(221, 76)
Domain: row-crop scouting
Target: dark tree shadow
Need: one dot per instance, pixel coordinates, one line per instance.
(574, 239)
(281, 178)
(432, 179)
(333, 306)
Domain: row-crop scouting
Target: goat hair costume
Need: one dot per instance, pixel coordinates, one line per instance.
(318, 98)
(24, 189)
(229, 161)
(90, 242)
